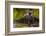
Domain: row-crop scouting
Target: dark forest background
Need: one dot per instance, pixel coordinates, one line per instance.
(18, 14)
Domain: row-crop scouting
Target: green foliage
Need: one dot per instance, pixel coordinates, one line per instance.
(19, 13)
(36, 12)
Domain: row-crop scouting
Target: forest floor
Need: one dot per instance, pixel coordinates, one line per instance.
(22, 25)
